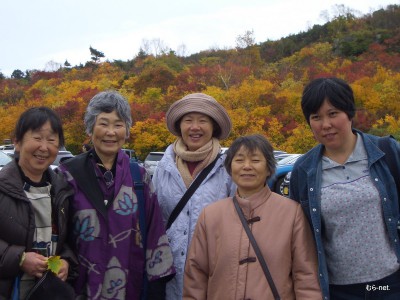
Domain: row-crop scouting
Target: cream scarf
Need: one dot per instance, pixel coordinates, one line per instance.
(205, 155)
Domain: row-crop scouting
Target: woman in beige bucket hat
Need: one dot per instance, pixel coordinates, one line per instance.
(199, 122)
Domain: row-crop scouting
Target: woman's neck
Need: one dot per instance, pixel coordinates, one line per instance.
(107, 161)
(341, 155)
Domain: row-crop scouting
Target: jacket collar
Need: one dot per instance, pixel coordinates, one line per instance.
(251, 203)
(309, 163)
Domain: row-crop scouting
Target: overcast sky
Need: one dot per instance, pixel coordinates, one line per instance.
(36, 32)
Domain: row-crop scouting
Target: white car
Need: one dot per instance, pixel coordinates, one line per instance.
(8, 149)
(151, 161)
(4, 159)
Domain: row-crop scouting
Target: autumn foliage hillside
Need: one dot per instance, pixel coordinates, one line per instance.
(259, 84)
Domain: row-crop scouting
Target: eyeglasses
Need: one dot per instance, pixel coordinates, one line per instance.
(108, 177)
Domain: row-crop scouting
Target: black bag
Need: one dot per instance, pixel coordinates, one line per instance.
(51, 287)
(189, 192)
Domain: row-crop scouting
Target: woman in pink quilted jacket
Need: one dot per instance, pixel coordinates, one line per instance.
(222, 264)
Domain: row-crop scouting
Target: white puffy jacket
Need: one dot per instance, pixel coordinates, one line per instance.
(170, 188)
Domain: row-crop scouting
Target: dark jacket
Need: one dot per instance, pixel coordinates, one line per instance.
(17, 224)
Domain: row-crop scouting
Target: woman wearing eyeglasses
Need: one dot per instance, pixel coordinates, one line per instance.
(105, 212)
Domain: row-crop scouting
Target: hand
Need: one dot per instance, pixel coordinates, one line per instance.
(63, 273)
(34, 264)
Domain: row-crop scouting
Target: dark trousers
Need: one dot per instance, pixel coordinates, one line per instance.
(387, 288)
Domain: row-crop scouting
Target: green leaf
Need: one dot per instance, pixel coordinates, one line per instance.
(54, 264)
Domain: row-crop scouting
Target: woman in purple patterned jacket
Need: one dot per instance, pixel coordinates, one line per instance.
(105, 212)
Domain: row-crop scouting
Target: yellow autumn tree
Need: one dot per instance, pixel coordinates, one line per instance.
(150, 135)
(108, 76)
(219, 94)
(9, 116)
(387, 125)
(273, 133)
(301, 140)
(247, 94)
(245, 123)
(291, 90)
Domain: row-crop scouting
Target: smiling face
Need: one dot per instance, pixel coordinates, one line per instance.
(37, 151)
(331, 127)
(196, 130)
(108, 136)
(249, 171)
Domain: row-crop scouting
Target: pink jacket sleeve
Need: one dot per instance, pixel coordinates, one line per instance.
(304, 267)
(196, 273)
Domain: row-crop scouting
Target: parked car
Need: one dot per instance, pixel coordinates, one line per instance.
(8, 149)
(151, 161)
(284, 166)
(279, 152)
(279, 157)
(4, 159)
(132, 154)
(62, 156)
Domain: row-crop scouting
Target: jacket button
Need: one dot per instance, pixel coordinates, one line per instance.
(182, 253)
(314, 209)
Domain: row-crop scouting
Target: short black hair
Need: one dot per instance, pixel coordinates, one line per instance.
(252, 143)
(34, 118)
(337, 91)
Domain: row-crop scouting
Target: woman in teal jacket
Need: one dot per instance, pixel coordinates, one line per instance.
(349, 196)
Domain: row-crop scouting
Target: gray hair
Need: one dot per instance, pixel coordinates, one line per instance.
(107, 102)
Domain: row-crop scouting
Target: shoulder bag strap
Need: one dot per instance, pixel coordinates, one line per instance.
(138, 186)
(189, 192)
(15, 290)
(257, 250)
